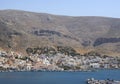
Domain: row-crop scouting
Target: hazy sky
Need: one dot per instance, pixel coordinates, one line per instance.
(109, 8)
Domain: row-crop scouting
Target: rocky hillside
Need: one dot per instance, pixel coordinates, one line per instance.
(20, 30)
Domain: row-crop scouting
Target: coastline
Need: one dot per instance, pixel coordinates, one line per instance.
(95, 70)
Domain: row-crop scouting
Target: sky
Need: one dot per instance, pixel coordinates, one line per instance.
(106, 8)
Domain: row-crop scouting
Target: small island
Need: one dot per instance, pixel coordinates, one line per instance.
(108, 81)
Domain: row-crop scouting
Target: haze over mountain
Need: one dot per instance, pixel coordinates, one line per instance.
(20, 30)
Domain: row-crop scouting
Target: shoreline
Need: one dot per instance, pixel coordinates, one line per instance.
(57, 70)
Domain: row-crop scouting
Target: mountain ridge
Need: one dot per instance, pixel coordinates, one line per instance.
(21, 29)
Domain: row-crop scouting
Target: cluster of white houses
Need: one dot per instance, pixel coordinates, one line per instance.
(18, 62)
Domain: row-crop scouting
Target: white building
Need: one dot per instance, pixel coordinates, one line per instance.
(46, 62)
(95, 65)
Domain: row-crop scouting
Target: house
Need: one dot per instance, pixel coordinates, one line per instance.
(46, 62)
(95, 65)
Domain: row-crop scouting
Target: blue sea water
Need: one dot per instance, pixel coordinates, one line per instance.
(56, 77)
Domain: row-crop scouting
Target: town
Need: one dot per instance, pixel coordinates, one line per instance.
(13, 61)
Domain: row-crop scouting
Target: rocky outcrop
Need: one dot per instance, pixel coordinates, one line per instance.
(100, 41)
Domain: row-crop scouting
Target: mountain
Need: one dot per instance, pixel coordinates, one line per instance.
(20, 30)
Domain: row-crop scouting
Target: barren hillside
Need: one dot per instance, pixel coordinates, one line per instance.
(20, 30)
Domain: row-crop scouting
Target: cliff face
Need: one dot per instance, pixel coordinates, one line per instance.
(20, 30)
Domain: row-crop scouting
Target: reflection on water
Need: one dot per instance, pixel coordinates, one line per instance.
(56, 77)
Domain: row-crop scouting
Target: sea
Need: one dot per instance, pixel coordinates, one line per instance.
(56, 77)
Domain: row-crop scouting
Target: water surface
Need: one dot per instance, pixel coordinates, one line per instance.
(56, 77)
